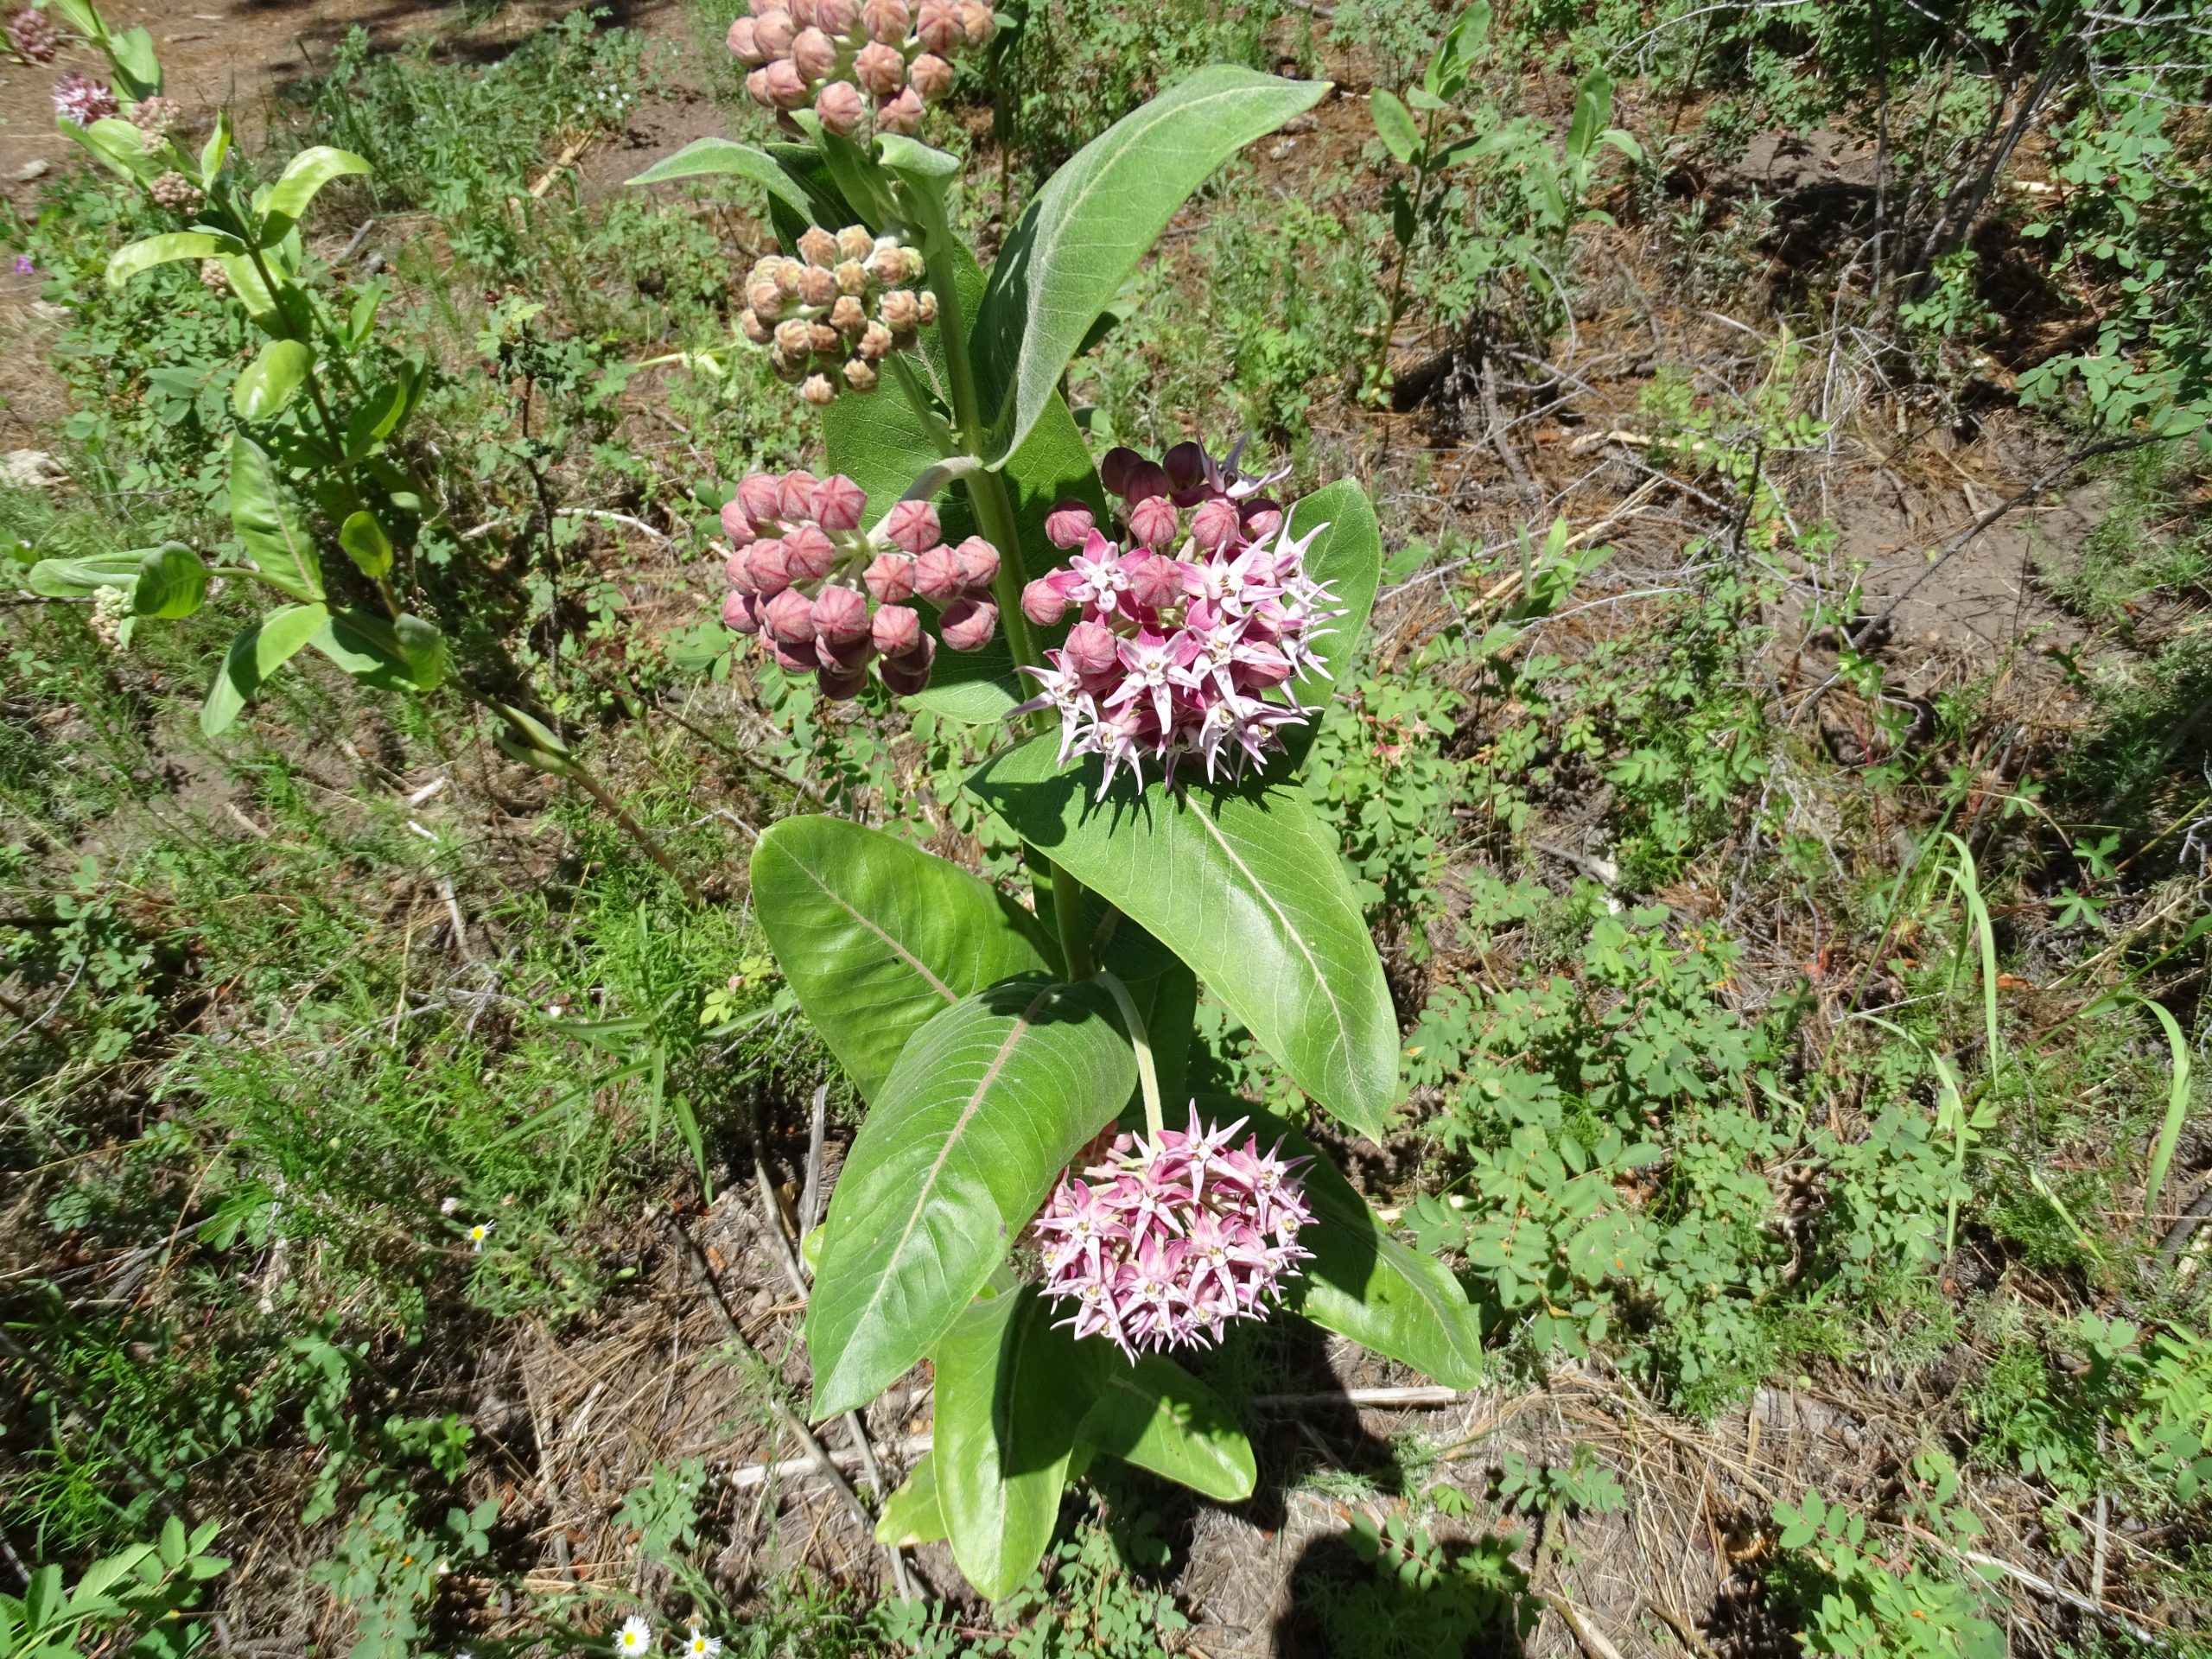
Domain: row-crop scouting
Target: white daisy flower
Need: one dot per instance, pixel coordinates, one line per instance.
(477, 1234)
(703, 1646)
(635, 1636)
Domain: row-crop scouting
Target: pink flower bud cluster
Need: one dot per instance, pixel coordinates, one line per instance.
(829, 597)
(157, 117)
(176, 192)
(31, 33)
(854, 59)
(1165, 1243)
(829, 317)
(82, 99)
(1186, 624)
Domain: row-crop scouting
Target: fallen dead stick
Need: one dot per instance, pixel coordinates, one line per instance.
(819, 1456)
(1376, 1397)
(567, 156)
(1592, 1639)
(746, 1475)
(2044, 1586)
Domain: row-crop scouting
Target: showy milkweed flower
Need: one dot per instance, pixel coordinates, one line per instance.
(1166, 1243)
(82, 99)
(1193, 627)
(31, 33)
(635, 1636)
(830, 597)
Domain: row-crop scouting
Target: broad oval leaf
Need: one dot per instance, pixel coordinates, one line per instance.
(365, 544)
(985, 1107)
(1083, 236)
(1247, 886)
(1158, 1416)
(172, 583)
(145, 254)
(1010, 1391)
(75, 578)
(253, 657)
(1362, 1283)
(910, 1515)
(1347, 555)
(1394, 125)
(272, 380)
(279, 547)
(878, 937)
(706, 158)
(302, 179)
(408, 655)
(117, 145)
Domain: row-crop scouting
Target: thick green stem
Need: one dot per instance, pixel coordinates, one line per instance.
(1067, 918)
(1139, 1041)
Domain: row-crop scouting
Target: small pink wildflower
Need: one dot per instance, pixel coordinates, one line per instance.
(81, 99)
(1200, 633)
(1163, 1244)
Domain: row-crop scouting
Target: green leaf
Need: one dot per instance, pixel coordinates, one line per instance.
(253, 657)
(1010, 1391)
(877, 937)
(1085, 232)
(296, 186)
(705, 158)
(365, 544)
(1248, 887)
(1158, 1416)
(135, 66)
(985, 1107)
(172, 583)
(272, 380)
(75, 578)
(911, 1515)
(145, 255)
(216, 150)
(1348, 557)
(1364, 1284)
(1394, 125)
(1593, 102)
(115, 144)
(405, 656)
(279, 547)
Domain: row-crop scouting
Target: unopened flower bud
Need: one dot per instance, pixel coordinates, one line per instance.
(792, 659)
(741, 613)
(756, 87)
(821, 339)
(735, 524)
(1260, 665)
(977, 25)
(849, 317)
(1092, 648)
(880, 69)
(929, 76)
(898, 311)
(896, 630)
(766, 299)
(909, 676)
(774, 32)
(855, 243)
(817, 286)
(795, 495)
(861, 375)
(817, 246)
(887, 20)
(784, 273)
(761, 495)
(1115, 470)
(1146, 479)
(793, 337)
(745, 42)
(968, 624)
(750, 325)
(818, 389)
(814, 53)
(838, 17)
(912, 526)
(807, 554)
(1068, 525)
(764, 560)
(887, 265)
(891, 579)
(1154, 521)
(837, 503)
(213, 277)
(901, 114)
(926, 307)
(876, 342)
(1185, 467)
(1043, 603)
(737, 568)
(1214, 525)
(839, 683)
(802, 13)
(979, 562)
(840, 616)
(786, 86)
(938, 24)
(789, 618)
(1155, 583)
(841, 106)
(848, 657)
(851, 274)
(1261, 518)
(937, 576)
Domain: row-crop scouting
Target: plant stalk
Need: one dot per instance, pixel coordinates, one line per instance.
(1141, 1041)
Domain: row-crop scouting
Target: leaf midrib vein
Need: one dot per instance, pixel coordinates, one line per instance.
(897, 949)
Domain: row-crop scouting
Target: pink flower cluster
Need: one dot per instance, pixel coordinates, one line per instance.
(802, 575)
(1165, 1243)
(1186, 624)
(853, 58)
(837, 311)
(81, 99)
(31, 33)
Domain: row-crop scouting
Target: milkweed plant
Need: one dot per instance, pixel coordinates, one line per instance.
(1035, 1202)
